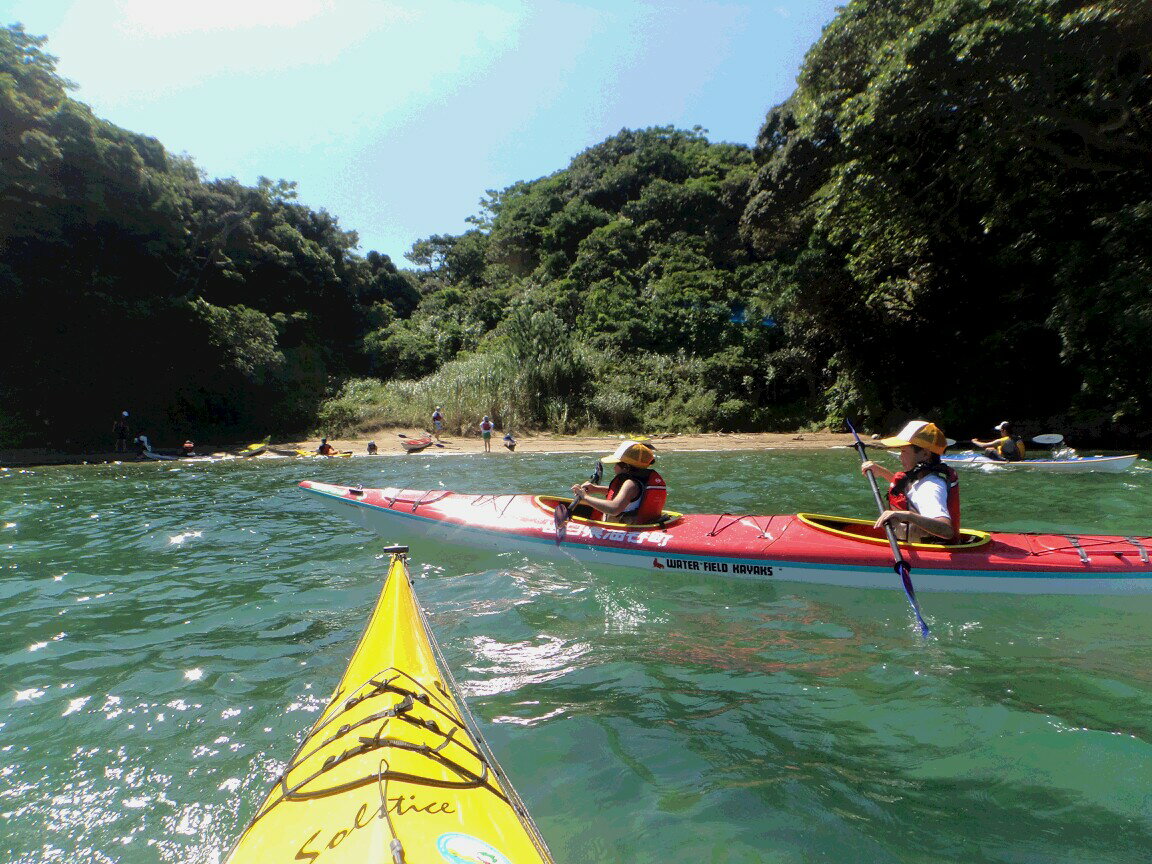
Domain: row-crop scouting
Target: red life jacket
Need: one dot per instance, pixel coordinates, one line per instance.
(653, 495)
(898, 491)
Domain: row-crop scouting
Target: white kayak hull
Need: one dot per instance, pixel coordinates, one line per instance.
(1077, 465)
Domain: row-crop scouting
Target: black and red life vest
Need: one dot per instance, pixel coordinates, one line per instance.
(649, 505)
(898, 491)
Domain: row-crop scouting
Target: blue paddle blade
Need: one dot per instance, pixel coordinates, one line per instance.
(560, 517)
(901, 567)
(598, 473)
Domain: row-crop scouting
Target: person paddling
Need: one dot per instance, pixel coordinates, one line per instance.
(924, 497)
(325, 449)
(1009, 447)
(636, 494)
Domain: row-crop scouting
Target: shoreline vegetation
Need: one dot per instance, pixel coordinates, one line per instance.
(660, 280)
(388, 440)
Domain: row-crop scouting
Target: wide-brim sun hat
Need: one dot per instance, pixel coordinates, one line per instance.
(919, 433)
(631, 453)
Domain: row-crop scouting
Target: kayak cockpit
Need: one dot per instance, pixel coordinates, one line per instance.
(862, 529)
(585, 514)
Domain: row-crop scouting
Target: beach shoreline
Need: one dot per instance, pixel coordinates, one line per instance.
(388, 442)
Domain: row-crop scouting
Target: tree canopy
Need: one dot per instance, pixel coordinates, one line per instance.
(948, 216)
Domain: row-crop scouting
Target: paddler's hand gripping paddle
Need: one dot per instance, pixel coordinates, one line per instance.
(898, 563)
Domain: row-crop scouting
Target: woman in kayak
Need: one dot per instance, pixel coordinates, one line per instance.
(923, 498)
(1009, 447)
(636, 494)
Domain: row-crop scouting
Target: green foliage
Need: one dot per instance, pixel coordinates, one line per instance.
(940, 153)
(949, 216)
(204, 307)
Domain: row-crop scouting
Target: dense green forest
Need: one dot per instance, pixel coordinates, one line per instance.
(950, 216)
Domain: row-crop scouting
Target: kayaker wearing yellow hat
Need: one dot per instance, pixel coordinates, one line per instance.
(636, 494)
(924, 498)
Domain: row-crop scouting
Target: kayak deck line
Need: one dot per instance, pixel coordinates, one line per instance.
(305, 788)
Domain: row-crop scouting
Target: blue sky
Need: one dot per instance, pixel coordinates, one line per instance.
(397, 116)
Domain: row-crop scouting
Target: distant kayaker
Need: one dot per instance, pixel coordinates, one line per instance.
(437, 423)
(923, 498)
(325, 449)
(486, 427)
(143, 445)
(120, 430)
(372, 448)
(1009, 447)
(187, 448)
(636, 494)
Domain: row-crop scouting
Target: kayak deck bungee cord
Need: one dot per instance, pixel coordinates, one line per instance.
(395, 769)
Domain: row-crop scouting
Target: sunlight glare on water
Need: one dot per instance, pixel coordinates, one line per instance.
(174, 631)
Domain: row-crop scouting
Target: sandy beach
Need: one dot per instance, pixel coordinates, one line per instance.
(388, 441)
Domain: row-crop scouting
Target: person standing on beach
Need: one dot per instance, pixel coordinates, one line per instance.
(120, 430)
(437, 423)
(486, 427)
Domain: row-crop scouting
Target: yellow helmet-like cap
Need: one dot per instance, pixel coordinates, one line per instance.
(631, 453)
(919, 433)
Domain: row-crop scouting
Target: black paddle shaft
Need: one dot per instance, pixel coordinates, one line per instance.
(899, 564)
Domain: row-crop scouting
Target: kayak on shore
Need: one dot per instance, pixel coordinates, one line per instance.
(784, 547)
(415, 445)
(395, 768)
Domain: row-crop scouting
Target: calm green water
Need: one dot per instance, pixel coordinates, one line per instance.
(169, 633)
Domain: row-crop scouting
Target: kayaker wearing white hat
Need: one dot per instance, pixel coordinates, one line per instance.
(1007, 448)
(636, 494)
(924, 498)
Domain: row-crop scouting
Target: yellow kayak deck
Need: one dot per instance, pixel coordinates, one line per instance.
(393, 770)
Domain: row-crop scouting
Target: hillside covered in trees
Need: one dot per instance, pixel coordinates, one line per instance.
(949, 216)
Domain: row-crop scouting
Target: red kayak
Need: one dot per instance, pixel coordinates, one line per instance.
(798, 547)
(415, 445)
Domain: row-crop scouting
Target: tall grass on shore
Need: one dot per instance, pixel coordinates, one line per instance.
(513, 395)
(532, 377)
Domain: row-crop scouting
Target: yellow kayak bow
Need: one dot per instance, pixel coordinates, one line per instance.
(395, 769)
